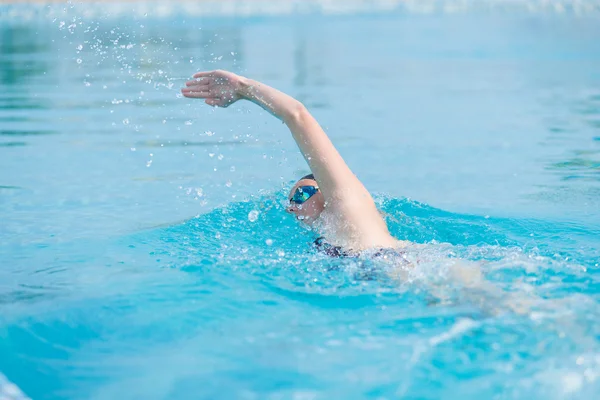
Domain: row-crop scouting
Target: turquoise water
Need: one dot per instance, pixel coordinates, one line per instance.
(144, 251)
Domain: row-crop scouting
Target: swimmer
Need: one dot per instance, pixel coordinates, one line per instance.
(332, 200)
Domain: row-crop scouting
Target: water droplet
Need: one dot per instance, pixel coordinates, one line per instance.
(133, 149)
(126, 121)
(220, 156)
(269, 242)
(253, 216)
(79, 61)
(149, 163)
(232, 168)
(229, 184)
(211, 155)
(188, 122)
(209, 133)
(80, 47)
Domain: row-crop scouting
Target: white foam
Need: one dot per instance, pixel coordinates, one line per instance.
(10, 391)
(460, 327)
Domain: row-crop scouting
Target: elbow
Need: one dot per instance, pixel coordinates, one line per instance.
(297, 113)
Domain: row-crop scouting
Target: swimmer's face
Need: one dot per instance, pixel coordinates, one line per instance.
(310, 209)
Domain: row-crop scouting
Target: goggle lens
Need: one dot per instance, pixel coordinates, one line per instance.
(303, 193)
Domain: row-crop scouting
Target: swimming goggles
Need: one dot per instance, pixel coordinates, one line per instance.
(303, 193)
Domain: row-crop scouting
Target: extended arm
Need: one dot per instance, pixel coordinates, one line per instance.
(344, 193)
(329, 168)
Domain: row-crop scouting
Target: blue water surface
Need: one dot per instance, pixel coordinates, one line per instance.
(144, 248)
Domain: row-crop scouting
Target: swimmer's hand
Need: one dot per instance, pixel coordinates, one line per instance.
(218, 88)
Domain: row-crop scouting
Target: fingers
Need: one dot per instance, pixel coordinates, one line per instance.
(196, 93)
(201, 79)
(197, 82)
(204, 74)
(214, 101)
(208, 85)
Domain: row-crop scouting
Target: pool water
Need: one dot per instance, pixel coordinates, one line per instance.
(145, 251)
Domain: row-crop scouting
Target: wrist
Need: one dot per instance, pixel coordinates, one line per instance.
(244, 88)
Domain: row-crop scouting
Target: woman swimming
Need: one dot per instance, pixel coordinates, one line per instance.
(331, 200)
(335, 202)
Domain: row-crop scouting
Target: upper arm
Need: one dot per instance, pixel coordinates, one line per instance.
(343, 191)
(335, 178)
(340, 187)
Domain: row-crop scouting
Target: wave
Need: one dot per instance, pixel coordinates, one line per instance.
(259, 237)
(191, 294)
(10, 391)
(263, 226)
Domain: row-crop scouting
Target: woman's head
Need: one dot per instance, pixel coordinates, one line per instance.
(306, 200)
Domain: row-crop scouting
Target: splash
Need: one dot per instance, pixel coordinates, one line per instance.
(10, 391)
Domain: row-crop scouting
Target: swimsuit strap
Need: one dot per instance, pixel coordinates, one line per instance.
(330, 250)
(338, 251)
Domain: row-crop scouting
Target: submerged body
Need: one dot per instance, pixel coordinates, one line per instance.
(338, 207)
